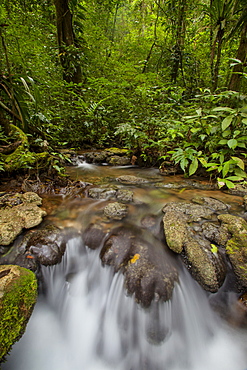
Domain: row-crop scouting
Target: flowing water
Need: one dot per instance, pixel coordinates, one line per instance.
(85, 320)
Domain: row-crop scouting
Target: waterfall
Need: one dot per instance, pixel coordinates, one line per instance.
(85, 321)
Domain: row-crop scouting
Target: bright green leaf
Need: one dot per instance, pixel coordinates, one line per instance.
(239, 162)
(193, 166)
(225, 169)
(232, 143)
(226, 122)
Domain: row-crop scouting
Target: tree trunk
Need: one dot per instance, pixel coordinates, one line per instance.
(66, 42)
(216, 67)
(180, 36)
(234, 83)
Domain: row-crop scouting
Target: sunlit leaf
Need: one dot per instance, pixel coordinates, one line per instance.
(239, 162)
(232, 143)
(226, 122)
(193, 166)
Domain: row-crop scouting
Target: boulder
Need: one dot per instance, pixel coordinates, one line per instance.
(45, 246)
(149, 271)
(130, 179)
(102, 192)
(236, 246)
(184, 232)
(18, 294)
(18, 212)
(116, 211)
(116, 160)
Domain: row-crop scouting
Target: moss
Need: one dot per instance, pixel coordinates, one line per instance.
(18, 289)
(22, 158)
(117, 151)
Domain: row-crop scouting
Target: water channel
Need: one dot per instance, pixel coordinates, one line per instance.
(85, 321)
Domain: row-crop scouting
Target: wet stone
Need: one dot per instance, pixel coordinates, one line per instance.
(116, 211)
(149, 271)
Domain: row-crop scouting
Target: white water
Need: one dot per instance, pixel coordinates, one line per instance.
(86, 322)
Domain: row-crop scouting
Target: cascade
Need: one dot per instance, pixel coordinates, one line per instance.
(84, 320)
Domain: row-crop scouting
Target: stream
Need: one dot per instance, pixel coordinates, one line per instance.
(86, 321)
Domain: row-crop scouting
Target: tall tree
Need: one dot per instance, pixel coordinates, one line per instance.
(221, 12)
(241, 55)
(68, 48)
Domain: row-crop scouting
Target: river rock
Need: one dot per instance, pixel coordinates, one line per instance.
(94, 235)
(19, 211)
(125, 195)
(185, 235)
(96, 156)
(148, 269)
(116, 160)
(129, 179)
(102, 192)
(116, 211)
(212, 203)
(45, 246)
(18, 294)
(236, 246)
(192, 212)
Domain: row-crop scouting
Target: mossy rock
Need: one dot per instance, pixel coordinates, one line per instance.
(18, 294)
(117, 151)
(236, 247)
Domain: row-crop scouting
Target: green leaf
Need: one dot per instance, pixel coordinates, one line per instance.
(239, 162)
(225, 169)
(244, 120)
(184, 163)
(223, 109)
(222, 142)
(234, 178)
(226, 122)
(193, 166)
(232, 143)
(230, 184)
(203, 161)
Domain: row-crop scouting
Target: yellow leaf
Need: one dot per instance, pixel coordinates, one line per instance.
(135, 258)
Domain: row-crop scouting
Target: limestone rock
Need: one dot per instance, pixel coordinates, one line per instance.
(18, 293)
(116, 211)
(129, 179)
(236, 246)
(19, 211)
(186, 234)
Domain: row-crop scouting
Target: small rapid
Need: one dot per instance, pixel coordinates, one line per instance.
(85, 321)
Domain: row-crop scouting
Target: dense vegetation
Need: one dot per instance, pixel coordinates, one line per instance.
(165, 79)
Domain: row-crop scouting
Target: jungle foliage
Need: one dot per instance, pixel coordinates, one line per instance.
(165, 79)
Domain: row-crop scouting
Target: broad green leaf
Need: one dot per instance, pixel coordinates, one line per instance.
(232, 143)
(226, 133)
(234, 178)
(193, 166)
(184, 163)
(229, 184)
(226, 122)
(203, 161)
(223, 109)
(244, 120)
(240, 173)
(222, 142)
(225, 169)
(239, 162)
